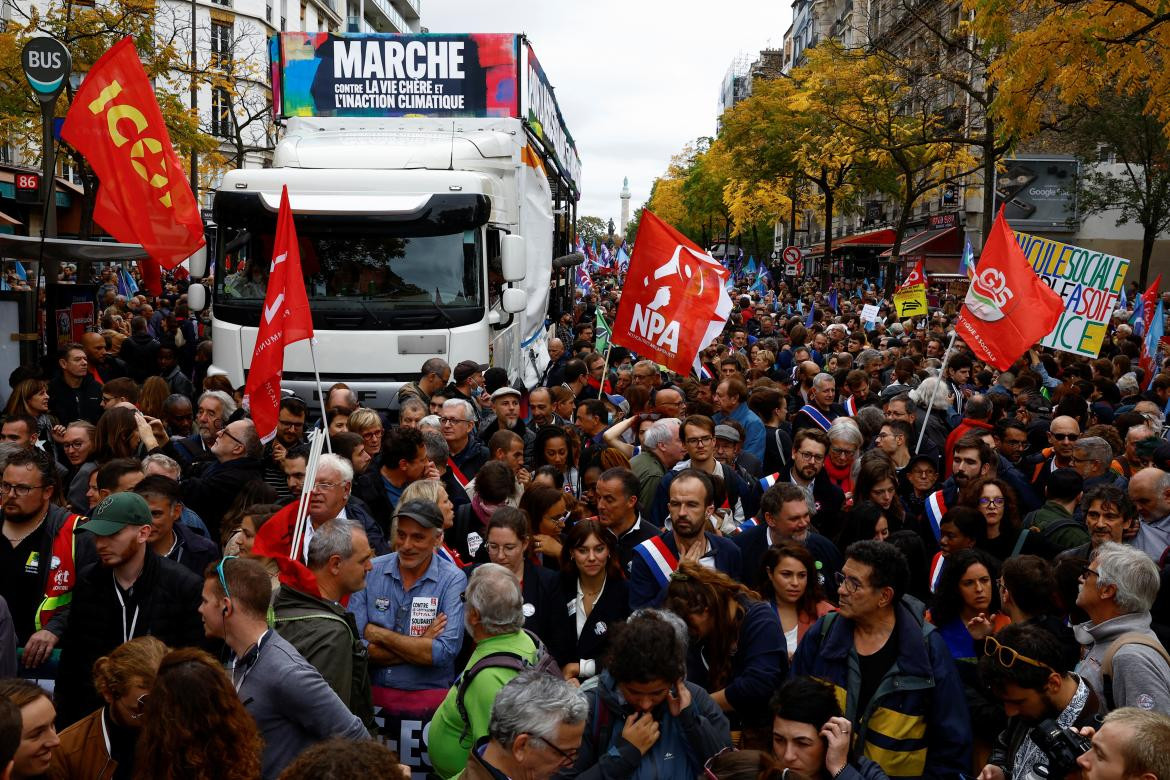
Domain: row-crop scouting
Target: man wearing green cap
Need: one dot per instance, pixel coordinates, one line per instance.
(132, 591)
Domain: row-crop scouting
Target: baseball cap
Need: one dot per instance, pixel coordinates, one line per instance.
(425, 513)
(505, 390)
(115, 512)
(922, 457)
(467, 368)
(727, 433)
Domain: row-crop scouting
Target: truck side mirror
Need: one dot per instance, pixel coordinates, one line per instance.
(512, 258)
(198, 262)
(514, 300)
(196, 297)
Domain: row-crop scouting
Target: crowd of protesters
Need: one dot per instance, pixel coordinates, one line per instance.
(825, 555)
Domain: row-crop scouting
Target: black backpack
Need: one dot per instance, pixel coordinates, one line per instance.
(544, 663)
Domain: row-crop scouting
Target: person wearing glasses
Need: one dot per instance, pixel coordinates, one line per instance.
(1092, 457)
(288, 698)
(537, 723)
(290, 432)
(1063, 432)
(368, 424)
(896, 675)
(237, 451)
(810, 448)
(1023, 666)
(998, 503)
(786, 517)
(468, 453)
(698, 438)
(509, 542)
(495, 620)
(133, 592)
(37, 527)
(1123, 660)
(105, 741)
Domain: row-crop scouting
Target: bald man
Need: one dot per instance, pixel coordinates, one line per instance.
(1150, 491)
(102, 365)
(554, 373)
(1062, 435)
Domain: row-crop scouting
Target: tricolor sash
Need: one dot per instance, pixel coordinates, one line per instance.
(851, 406)
(817, 416)
(769, 481)
(936, 567)
(462, 480)
(750, 523)
(936, 507)
(658, 557)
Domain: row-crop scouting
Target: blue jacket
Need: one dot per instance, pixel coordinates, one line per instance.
(753, 427)
(684, 744)
(646, 585)
(759, 665)
(916, 724)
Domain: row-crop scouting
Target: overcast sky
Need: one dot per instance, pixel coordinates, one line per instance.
(635, 79)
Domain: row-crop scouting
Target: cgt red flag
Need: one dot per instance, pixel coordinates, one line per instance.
(1008, 307)
(144, 197)
(286, 319)
(917, 276)
(676, 303)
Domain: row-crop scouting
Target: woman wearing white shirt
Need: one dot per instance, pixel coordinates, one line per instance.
(596, 596)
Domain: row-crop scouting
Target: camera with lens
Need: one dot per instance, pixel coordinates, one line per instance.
(1062, 746)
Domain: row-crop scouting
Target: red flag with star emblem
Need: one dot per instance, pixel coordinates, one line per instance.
(674, 302)
(1008, 307)
(144, 197)
(286, 319)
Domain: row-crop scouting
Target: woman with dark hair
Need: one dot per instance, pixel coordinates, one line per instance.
(967, 596)
(967, 590)
(196, 727)
(865, 520)
(737, 648)
(554, 447)
(155, 391)
(811, 736)
(116, 435)
(791, 583)
(591, 569)
(494, 485)
(508, 540)
(546, 512)
(549, 476)
(877, 481)
(31, 397)
(996, 501)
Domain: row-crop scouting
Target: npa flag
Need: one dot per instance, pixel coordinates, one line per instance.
(1008, 307)
(286, 319)
(144, 198)
(677, 303)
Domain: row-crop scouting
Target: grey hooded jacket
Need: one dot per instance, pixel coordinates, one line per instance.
(1141, 677)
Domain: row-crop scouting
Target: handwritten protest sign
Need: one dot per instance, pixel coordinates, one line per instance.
(1089, 282)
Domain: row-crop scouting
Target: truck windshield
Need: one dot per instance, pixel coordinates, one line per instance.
(421, 270)
(360, 270)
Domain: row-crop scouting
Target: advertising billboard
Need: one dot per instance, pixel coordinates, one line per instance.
(1039, 194)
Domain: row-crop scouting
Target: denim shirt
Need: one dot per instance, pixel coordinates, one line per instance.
(386, 603)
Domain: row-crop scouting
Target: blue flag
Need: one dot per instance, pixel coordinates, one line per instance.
(1154, 339)
(20, 272)
(1124, 301)
(833, 299)
(808, 321)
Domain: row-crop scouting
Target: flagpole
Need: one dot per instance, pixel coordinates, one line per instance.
(316, 436)
(930, 406)
(320, 391)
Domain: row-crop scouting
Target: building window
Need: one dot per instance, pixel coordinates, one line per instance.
(227, 3)
(69, 171)
(221, 44)
(6, 155)
(221, 113)
(268, 12)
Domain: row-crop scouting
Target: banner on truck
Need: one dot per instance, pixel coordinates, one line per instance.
(544, 117)
(1090, 284)
(378, 74)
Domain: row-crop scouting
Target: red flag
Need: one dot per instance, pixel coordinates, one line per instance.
(917, 276)
(144, 197)
(1008, 307)
(286, 319)
(676, 304)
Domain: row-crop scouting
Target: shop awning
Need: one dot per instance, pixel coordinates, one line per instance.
(67, 249)
(7, 220)
(930, 243)
(873, 238)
